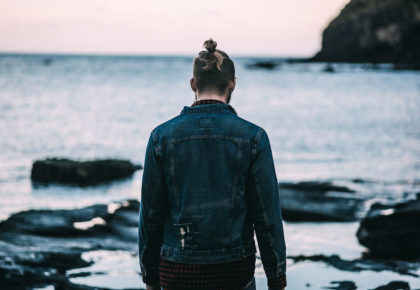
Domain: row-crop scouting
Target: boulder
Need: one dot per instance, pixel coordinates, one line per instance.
(318, 201)
(392, 231)
(395, 285)
(38, 247)
(81, 172)
(268, 64)
(342, 285)
(361, 264)
(374, 31)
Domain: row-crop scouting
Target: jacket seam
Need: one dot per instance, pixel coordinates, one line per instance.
(255, 144)
(198, 137)
(235, 184)
(173, 178)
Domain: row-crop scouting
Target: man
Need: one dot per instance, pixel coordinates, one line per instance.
(208, 183)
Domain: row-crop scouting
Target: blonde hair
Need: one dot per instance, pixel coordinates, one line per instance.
(213, 69)
(210, 45)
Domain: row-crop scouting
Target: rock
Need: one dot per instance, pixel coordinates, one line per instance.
(263, 65)
(37, 248)
(342, 285)
(374, 31)
(47, 61)
(318, 201)
(317, 186)
(358, 265)
(329, 68)
(392, 231)
(81, 172)
(395, 285)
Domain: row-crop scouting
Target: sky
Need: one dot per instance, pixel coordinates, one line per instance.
(174, 27)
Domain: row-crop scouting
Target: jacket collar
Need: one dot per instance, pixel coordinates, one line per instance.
(205, 108)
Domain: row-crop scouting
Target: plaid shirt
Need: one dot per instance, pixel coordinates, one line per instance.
(231, 275)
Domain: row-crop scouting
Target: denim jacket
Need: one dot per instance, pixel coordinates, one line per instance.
(208, 184)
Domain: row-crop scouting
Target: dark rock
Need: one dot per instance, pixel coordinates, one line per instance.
(395, 285)
(392, 231)
(263, 65)
(315, 186)
(318, 201)
(342, 285)
(360, 180)
(58, 223)
(47, 61)
(374, 31)
(38, 247)
(329, 68)
(81, 172)
(358, 265)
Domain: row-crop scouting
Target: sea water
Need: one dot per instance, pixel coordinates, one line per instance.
(360, 123)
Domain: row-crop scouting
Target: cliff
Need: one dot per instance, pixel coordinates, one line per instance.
(374, 31)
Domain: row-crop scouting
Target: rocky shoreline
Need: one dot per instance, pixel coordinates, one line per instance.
(38, 248)
(377, 31)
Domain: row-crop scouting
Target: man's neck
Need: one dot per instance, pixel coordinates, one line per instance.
(211, 97)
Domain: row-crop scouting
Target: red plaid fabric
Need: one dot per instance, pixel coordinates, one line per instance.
(231, 275)
(206, 101)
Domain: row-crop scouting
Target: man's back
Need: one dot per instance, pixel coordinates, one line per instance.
(208, 183)
(206, 156)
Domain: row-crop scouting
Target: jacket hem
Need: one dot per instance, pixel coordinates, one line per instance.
(214, 256)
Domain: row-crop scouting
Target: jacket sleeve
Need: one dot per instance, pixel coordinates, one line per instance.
(262, 191)
(153, 208)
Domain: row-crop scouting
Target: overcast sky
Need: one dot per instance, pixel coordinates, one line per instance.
(241, 27)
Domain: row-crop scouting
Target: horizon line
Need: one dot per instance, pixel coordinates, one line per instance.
(130, 54)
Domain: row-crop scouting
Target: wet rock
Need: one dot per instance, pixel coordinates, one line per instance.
(329, 68)
(392, 231)
(38, 247)
(318, 201)
(317, 186)
(358, 265)
(81, 172)
(395, 285)
(47, 61)
(342, 285)
(263, 65)
(374, 31)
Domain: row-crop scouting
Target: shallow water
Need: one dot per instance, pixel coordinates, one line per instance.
(358, 122)
(117, 270)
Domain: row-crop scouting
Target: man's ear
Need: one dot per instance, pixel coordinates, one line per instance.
(193, 85)
(232, 84)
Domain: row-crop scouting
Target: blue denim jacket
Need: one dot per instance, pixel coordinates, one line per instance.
(209, 182)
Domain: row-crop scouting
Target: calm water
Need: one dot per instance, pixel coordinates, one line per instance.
(356, 123)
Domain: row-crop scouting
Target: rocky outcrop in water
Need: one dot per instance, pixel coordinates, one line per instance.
(81, 172)
(318, 201)
(374, 31)
(266, 64)
(392, 231)
(342, 285)
(362, 264)
(395, 285)
(37, 247)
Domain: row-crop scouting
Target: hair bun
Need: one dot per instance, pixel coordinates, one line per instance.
(210, 45)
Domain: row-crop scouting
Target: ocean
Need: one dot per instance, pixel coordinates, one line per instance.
(358, 126)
